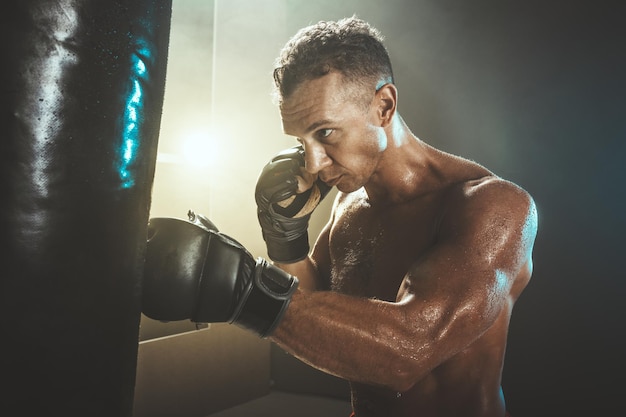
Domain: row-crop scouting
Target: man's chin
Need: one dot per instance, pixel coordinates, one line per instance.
(346, 187)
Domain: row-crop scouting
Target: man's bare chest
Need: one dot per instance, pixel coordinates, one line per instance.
(371, 250)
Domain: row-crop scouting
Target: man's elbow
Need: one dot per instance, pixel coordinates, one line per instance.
(405, 375)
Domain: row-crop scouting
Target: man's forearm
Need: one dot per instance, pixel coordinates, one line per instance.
(306, 272)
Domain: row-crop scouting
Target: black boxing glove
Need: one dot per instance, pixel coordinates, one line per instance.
(284, 213)
(194, 272)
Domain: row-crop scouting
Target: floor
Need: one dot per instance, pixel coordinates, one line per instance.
(282, 404)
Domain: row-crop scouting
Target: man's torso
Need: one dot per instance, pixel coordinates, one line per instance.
(371, 249)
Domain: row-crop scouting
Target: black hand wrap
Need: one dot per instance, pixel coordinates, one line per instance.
(285, 226)
(194, 272)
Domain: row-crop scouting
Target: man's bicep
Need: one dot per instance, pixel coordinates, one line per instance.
(491, 229)
(483, 246)
(304, 270)
(313, 271)
(320, 258)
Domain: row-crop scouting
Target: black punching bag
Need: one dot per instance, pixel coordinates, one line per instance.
(82, 85)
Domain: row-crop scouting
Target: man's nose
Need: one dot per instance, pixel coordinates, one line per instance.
(315, 158)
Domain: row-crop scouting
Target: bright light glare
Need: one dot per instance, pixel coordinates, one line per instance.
(199, 149)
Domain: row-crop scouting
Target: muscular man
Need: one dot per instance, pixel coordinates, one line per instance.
(409, 288)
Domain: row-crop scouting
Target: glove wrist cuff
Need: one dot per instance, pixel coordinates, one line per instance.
(288, 252)
(268, 296)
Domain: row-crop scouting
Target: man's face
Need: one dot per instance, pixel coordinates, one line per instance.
(342, 136)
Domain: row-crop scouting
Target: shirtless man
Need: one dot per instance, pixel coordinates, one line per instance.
(409, 288)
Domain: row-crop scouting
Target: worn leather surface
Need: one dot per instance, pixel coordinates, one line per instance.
(81, 93)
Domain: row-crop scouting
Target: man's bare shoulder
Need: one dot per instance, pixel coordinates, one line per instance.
(490, 204)
(490, 193)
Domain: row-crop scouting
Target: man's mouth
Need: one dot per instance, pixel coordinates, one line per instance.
(331, 182)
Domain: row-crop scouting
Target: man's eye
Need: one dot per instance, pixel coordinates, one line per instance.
(324, 133)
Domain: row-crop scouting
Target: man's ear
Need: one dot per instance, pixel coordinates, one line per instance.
(386, 101)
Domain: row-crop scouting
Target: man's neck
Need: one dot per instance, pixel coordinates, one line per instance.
(404, 170)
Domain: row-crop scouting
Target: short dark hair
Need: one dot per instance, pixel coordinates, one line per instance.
(349, 46)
